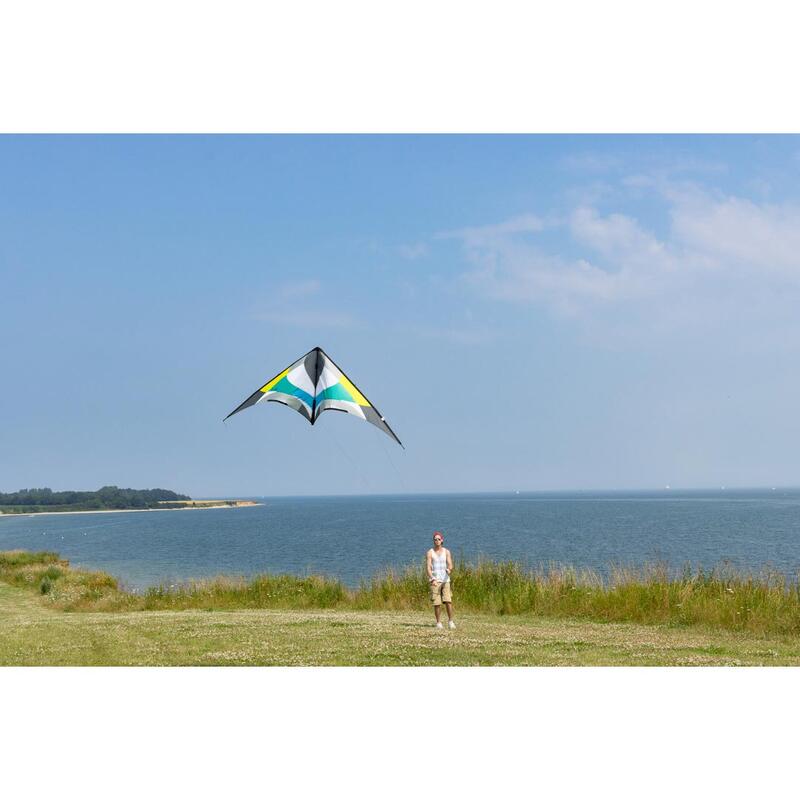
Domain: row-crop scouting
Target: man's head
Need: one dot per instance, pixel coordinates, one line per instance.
(438, 539)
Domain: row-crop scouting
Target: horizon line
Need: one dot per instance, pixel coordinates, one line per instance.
(751, 488)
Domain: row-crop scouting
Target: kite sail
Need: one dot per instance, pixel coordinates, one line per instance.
(313, 384)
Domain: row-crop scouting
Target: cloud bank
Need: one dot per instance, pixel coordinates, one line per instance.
(718, 257)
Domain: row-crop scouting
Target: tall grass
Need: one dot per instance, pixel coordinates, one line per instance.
(67, 588)
(767, 602)
(263, 591)
(10, 559)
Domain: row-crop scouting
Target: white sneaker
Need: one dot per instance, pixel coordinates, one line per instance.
(451, 625)
(439, 625)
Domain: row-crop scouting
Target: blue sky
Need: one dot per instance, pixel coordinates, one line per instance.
(528, 312)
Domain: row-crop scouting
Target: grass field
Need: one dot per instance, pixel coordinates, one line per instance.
(204, 627)
(33, 634)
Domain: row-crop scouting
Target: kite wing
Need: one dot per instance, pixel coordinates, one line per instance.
(313, 384)
(336, 392)
(294, 387)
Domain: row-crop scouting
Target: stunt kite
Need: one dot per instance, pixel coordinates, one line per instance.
(314, 384)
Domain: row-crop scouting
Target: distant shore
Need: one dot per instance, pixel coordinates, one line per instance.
(195, 505)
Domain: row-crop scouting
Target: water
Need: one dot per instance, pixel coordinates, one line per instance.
(353, 537)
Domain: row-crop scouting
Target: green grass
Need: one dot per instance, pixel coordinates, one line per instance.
(34, 632)
(51, 613)
(13, 559)
(263, 591)
(65, 588)
(721, 599)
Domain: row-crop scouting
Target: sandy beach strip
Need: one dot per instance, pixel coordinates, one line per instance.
(222, 504)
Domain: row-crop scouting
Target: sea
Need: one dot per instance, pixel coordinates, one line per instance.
(353, 538)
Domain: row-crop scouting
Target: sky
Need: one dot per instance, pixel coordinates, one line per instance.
(529, 313)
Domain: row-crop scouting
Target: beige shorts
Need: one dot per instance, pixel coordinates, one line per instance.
(440, 593)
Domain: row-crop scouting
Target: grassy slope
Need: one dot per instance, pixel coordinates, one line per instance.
(34, 633)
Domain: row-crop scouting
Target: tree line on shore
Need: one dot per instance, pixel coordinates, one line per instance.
(108, 497)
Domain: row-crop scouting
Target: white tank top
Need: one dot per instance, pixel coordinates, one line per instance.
(439, 566)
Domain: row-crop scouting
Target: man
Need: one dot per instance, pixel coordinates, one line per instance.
(440, 565)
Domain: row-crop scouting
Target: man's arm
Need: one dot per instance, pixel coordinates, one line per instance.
(429, 566)
(449, 563)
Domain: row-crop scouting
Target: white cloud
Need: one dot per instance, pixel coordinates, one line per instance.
(615, 235)
(721, 257)
(288, 291)
(413, 251)
(632, 263)
(489, 234)
(733, 230)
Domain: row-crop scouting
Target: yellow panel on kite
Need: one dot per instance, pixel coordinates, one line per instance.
(267, 386)
(354, 393)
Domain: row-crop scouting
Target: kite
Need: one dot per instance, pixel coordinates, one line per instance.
(313, 384)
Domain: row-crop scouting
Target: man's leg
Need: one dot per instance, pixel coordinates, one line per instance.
(447, 599)
(436, 599)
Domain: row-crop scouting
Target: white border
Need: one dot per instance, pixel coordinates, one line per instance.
(353, 65)
(396, 733)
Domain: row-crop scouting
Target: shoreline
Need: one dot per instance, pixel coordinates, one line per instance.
(239, 504)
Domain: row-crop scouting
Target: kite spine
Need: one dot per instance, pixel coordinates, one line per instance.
(316, 379)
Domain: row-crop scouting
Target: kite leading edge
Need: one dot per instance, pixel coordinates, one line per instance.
(313, 384)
